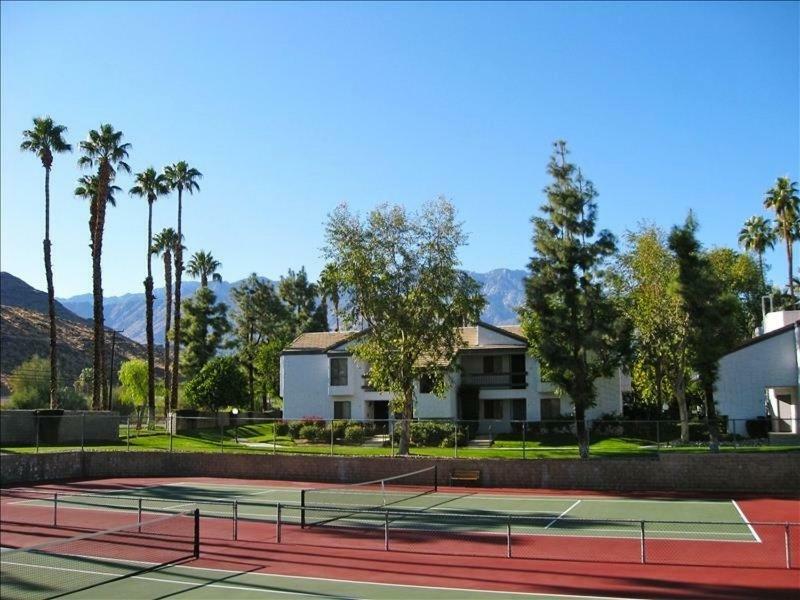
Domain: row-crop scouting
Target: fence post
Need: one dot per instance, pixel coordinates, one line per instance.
(524, 435)
(787, 540)
(658, 435)
(172, 424)
(331, 423)
(644, 554)
(55, 509)
(221, 437)
(83, 429)
(386, 531)
(508, 537)
(128, 433)
(274, 435)
(235, 519)
(391, 436)
(455, 437)
(37, 433)
(139, 514)
(278, 524)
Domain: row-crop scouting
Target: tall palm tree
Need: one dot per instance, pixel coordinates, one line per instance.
(329, 288)
(150, 185)
(104, 150)
(165, 243)
(757, 236)
(180, 177)
(43, 140)
(204, 265)
(784, 200)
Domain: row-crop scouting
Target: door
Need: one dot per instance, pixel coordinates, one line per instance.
(518, 371)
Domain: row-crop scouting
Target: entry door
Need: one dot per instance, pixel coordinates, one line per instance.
(784, 413)
(518, 370)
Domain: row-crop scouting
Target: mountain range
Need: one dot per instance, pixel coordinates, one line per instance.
(503, 289)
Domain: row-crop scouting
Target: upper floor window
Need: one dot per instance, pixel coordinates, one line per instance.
(425, 384)
(338, 367)
(490, 364)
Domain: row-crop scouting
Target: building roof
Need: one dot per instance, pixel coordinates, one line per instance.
(321, 342)
(765, 336)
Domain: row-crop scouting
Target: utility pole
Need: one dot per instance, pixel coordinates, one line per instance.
(114, 333)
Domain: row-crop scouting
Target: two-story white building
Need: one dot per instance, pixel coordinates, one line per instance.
(494, 381)
(761, 378)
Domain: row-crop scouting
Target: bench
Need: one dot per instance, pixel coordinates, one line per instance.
(465, 476)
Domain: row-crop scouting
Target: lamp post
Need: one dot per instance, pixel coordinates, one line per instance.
(235, 413)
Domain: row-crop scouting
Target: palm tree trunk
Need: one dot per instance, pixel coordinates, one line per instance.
(789, 258)
(167, 325)
(761, 270)
(99, 390)
(148, 292)
(51, 298)
(176, 338)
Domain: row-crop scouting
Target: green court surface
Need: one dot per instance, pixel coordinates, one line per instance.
(717, 520)
(101, 580)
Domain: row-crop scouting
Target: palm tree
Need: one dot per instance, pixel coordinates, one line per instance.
(757, 236)
(204, 265)
(784, 200)
(180, 176)
(102, 149)
(43, 140)
(150, 185)
(329, 288)
(165, 243)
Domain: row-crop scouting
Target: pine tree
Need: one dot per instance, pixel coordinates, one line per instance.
(575, 330)
(205, 325)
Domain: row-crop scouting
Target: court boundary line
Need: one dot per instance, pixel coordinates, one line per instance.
(746, 522)
(571, 506)
(304, 578)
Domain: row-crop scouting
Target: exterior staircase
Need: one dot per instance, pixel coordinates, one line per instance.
(480, 441)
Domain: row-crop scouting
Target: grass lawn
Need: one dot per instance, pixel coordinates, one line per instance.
(261, 439)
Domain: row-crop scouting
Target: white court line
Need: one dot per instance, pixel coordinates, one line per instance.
(741, 514)
(573, 505)
(304, 578)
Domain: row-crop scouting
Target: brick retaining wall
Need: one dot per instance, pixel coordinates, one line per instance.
(774, 473)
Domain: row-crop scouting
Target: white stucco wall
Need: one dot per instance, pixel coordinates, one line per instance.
(744, 375)
(305, 386)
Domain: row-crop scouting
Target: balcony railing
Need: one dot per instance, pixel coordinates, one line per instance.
(512, 380)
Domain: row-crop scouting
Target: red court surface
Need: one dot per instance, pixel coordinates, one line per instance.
(464, 561)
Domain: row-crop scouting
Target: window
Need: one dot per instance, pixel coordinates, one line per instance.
(425, 385)
(492, 409)
(518, 409)
(341, 410)
(489, 364)
(551, 409)
(338, 371)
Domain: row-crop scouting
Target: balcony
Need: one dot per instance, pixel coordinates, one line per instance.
(512, 380)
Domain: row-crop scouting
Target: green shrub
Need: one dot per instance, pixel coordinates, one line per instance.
(219, 383)
(293, 428)
(432, 433)
(354, 434)
(281, 428)
(758, 428)
(313, 433)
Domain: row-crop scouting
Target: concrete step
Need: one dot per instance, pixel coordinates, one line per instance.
(376, 441)
(480, 441)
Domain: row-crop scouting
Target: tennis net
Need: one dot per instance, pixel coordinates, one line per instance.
(66, 566)
(365, 495)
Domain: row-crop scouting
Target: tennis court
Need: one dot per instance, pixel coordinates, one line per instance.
(402, 536)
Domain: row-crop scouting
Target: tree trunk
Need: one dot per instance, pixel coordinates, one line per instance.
(405, 425)
(580, 430)
(51, 297)
(148, 293)
(789, 258)
(683, 410)
(761, 270)
(176, 337)
(99, 390)
(168, 404)
(711, 418)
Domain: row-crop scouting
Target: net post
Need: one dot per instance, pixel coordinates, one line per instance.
(55, 509)
(508, 537)
(788, 546)
(278, 523)
(643, 552)
(302, 509)
(386, 531)
(196, 533)
(235, 519)
(139, 513)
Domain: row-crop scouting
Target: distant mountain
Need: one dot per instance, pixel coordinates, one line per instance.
(24, 333)
(503, 288)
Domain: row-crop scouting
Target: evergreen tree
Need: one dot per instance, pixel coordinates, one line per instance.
(300, 297)
(575, 330)
(205, 325)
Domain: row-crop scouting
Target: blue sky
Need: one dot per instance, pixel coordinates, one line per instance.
(290, 109)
